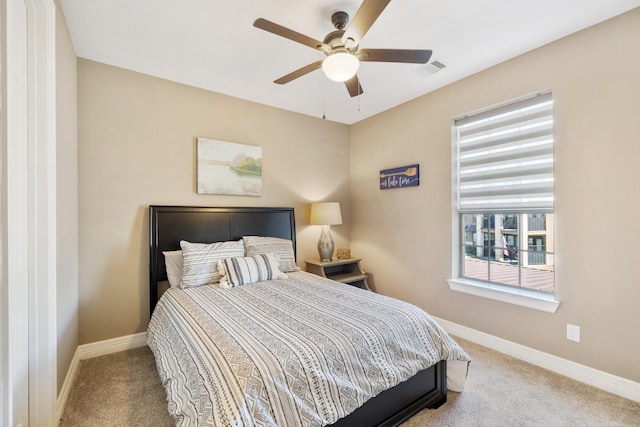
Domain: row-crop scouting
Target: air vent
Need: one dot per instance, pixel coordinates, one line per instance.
(435, 66)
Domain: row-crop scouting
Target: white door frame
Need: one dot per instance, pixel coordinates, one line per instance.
(28, 207)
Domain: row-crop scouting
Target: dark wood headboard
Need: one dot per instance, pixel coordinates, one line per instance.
(170, 224)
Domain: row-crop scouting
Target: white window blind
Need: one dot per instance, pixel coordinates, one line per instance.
(505, 157)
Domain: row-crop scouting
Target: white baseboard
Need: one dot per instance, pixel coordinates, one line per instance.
(114, 345)
(600, 379)
(69, 379)
(88, 351)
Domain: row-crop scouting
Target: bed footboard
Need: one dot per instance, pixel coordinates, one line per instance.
(426, 389)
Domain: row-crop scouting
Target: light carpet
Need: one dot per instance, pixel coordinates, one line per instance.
(123, 389)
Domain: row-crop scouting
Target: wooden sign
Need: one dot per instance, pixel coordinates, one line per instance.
(404, 176)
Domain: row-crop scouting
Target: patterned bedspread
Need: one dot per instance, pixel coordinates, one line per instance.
(304, 351)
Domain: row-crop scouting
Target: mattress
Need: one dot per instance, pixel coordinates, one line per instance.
(302, 351)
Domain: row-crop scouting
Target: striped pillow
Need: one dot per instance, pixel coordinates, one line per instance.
(200, 261)
(255, 245)
(251, 269)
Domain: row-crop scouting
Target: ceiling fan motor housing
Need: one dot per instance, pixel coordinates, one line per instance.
(334, 39)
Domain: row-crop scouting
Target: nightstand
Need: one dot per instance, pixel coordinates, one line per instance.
(341, 270)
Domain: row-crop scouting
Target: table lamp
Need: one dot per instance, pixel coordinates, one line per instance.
(325, 214)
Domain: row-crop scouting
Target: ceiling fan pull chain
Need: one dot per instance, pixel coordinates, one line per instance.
(324, 99)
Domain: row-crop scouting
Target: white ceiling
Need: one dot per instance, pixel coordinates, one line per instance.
(212, 44)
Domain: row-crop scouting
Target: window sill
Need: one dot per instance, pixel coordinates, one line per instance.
(521, 297)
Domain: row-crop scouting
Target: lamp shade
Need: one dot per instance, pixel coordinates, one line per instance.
(327, 213)
(340, 66)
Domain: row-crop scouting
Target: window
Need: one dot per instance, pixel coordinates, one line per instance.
(503, 186)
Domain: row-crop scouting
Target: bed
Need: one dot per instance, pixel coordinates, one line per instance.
(203, 389)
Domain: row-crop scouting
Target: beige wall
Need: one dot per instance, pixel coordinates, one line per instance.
(137, 147)
(137, 140)
(404, 235)
(67, 197)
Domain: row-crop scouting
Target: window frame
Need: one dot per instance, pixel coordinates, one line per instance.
(512, 295)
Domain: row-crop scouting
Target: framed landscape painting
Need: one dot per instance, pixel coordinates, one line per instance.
(229, 168)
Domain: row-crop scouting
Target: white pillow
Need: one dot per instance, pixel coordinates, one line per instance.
(173, 263)
(200, 261)
(253, 269)
(255, 245)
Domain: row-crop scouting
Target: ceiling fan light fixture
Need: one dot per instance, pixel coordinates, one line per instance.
(340, 66)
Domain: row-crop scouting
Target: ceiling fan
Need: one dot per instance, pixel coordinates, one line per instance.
(342, 46)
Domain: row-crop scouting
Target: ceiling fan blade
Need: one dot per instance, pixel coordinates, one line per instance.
(394, 55)
(299, 72)
(353, 86)
(363, 20)
(287, 33)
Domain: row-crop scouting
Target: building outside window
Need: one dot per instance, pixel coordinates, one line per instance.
(515, 253)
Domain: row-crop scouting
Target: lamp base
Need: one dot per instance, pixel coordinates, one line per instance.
(325, 244)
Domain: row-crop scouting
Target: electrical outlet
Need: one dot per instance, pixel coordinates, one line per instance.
(573, 332)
